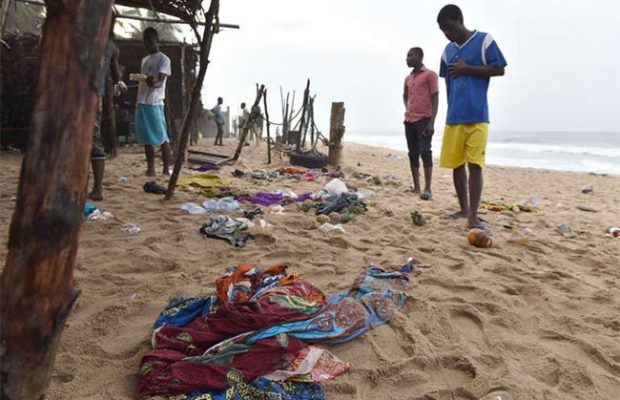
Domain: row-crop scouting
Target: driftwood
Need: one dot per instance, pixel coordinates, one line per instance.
(336, 132)
(249, 123)
(205, 49)
(268, 123)
(37, 281)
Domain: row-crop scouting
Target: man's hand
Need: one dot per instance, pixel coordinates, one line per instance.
(458, 69)
(150, 80)
(429, 130)
(119, 88)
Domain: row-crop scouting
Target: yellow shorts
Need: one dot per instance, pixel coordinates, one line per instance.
(462, 144)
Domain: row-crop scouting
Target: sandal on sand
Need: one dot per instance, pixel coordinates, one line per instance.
(453, 215)
(426, 195)
(479, 225)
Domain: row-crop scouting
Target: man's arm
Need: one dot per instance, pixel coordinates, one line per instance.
(485, 71)
(405, 95)
(430, 128)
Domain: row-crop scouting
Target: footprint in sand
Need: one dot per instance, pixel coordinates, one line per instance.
(469, 326)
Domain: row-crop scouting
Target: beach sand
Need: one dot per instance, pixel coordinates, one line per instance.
(539, 319)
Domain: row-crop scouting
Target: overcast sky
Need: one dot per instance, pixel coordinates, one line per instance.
(563, 65)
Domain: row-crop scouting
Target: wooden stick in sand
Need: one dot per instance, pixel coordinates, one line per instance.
(205, 49)
(268, 134)
(249, 123)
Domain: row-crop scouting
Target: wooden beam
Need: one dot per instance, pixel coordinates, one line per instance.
(147, 19)
(205, 49)
(336, 132)
(37, 291)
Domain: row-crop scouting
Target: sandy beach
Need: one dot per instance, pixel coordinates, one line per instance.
(537, 314)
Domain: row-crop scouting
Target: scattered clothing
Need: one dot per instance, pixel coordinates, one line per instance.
(223, 204)
(207, 166)
(193, 208)
(250, 214)
(226, 228)
(263, 326)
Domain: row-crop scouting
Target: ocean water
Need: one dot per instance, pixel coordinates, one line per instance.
(597, 152)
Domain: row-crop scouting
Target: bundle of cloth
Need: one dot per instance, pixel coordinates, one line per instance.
(261, 334)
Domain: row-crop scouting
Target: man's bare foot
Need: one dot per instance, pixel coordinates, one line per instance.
(150, 173)
(456, 215)
(95, 195)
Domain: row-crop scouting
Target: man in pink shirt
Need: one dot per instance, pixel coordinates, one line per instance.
(421, 97)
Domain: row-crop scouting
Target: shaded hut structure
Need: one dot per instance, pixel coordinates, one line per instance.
(37, 290)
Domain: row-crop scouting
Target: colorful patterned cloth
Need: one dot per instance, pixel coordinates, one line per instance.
(264, 323)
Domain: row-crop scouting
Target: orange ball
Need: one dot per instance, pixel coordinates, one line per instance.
(479, 238)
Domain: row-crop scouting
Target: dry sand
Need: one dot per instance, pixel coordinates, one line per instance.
(540, 320)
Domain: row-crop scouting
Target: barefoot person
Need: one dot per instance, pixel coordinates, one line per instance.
(421, 97)
(468, 62)
(109, 67)
(151, 128)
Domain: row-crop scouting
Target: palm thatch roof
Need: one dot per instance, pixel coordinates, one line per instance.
(187, 10)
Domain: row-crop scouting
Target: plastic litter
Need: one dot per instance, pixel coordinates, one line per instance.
(614, 232)
(327, 227)
(279, 210)
(336, 186)
(588, 189)
(97, 215)
(223, 204)
(132, 229)
(193, 208)
(122, 179)
(565, 230)
(264, 224)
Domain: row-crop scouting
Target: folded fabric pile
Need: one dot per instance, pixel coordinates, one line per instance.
(226, 228)
(259, 335)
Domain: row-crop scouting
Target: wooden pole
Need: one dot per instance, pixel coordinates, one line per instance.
(336, 132)
(303, 115)
(285, 126)
(249, 123)
(268, 134)
(37, 281)
(205, 49)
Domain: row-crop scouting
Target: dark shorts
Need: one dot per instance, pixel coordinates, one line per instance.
(419, 145)
(97, 152)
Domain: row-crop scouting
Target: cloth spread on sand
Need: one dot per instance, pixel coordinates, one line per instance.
(337, 203)
(264, 323)
(268, 199)
(211, 185)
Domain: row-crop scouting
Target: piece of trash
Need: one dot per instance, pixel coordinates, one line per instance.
(586, 209)
(132, 296)
(122, 179)
(327, 227)
(388, 213)
(193, 208)
(588, 189)
(528, 232)
(223, 204)
(250, 214)
(366, 194)
(336, 186)
(97, 215)
(565, 230)
(132, 229)
(277, 210)
(535, 203)
(518, 240)
(417, 218)
(614, 232)
(264, 224)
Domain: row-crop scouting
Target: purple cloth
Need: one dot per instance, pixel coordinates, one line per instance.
(207, 167)
(303, 197)
(263, 199)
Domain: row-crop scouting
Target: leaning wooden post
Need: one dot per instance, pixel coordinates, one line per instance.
(303, 115)
(268, 134)
(37, 281)
(336, 132)
(205, 48)
(249, 123)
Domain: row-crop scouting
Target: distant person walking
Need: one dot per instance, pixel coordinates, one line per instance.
(219, 121)
(421, 98)
(467, 64)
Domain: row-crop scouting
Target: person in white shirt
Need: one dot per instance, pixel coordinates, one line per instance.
(151, 128)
